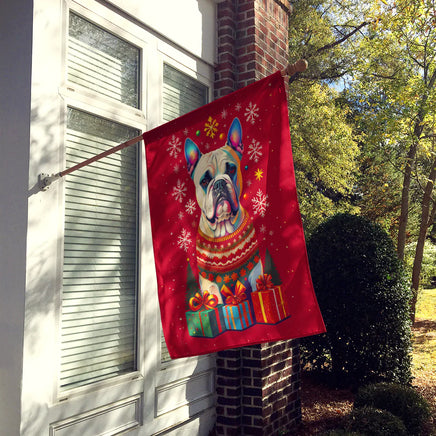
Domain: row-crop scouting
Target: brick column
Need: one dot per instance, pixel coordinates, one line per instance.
(258, 387)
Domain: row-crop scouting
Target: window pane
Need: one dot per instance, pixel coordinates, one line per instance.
(102, 62)
(99, 297)
(181, 94)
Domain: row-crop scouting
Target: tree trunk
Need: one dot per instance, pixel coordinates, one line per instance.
(417, 131)
(426, 222)
(404, 214)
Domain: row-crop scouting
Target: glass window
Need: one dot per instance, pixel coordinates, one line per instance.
(181, 93)
(99, 284)
(101, 62)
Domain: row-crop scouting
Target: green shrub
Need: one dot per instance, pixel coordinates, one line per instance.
(375, 422)
(402, 401)
(360, 286)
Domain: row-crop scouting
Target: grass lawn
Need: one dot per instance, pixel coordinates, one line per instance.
(424, 346)
(424, 342)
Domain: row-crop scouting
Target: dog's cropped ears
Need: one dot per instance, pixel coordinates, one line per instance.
(192, 155)
(234, 137)
(234, 140)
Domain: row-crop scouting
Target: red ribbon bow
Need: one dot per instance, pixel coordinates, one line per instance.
(264, 282)
(209, 301)
(238, 297)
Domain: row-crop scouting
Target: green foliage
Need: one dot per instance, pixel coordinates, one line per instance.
(375, 422)
(324, 145)
(325, 153)
(359, 283)
(402, 401)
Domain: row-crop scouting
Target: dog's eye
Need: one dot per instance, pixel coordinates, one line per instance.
(230, 169)
(204, 182)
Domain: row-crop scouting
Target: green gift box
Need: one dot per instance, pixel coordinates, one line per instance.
(206, 323)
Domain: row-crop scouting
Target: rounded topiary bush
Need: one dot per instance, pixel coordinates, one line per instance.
(363, 297)
(375, 422)
(402, 401)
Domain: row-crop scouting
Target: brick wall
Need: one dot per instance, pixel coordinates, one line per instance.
(258, 387)
(252, 42)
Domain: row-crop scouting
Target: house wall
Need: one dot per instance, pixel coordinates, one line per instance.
(177, 397)
(189, 24)
(15, 74)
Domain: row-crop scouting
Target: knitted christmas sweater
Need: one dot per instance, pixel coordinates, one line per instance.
(229, 258)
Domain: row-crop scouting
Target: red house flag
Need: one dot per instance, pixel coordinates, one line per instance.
(228, 241)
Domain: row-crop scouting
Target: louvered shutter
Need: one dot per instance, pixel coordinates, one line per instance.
(100, 268)
(99, 288)
(181, 94)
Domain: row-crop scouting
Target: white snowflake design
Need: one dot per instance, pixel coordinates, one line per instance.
(251, 113)
(184, 240)
(180, 215)
(190, 207)
(260, 203)
(224, 114)
(175, 146)
(238, 107)
(254, 150)
(179, 191)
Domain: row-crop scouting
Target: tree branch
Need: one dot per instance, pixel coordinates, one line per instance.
(341, 40)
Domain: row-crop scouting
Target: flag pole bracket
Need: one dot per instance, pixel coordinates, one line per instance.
(294, 70)
(45, 180)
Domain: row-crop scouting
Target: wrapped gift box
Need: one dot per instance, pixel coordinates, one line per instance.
(269, 306)
(206, 323)
(238, 316)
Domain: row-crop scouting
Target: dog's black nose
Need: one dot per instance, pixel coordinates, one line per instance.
(220, 185)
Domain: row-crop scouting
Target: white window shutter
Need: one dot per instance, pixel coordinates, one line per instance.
(100, 247)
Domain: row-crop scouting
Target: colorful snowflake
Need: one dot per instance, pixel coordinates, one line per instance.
(211, 127)
(255, 150)
(251, 113)
(175, 146)
(184, 240)
(260, 203)
(179, 191)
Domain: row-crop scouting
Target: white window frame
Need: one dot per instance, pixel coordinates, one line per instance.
(152, 383)
(80, 98)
